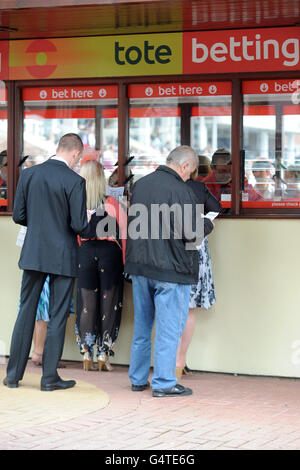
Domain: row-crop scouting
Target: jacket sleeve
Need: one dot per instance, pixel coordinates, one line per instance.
(211, 202)
(208, 226)
(211, 205)
(77, 204)
(19, 210)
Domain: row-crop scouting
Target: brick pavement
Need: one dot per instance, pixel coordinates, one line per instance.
(224, 412)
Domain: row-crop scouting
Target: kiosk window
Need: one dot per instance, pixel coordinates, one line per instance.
(52, 112)
(3, 148)
(163, 116)
(211, 138)
(154, 127)
(271, 142)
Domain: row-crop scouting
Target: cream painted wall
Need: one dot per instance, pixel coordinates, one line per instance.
(254, 327)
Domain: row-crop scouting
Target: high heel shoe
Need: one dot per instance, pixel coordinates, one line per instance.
(178, 372)
(87, 361)
(187, 371)
(103, 363)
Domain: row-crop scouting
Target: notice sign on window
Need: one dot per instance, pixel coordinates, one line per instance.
(167, 90)
(70, 93)
(274, 87)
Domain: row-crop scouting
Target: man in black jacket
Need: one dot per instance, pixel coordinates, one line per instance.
(51, 202)
(162, 268)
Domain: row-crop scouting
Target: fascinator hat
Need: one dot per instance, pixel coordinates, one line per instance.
(89, 157)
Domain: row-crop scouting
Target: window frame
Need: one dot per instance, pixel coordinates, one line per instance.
(15, 129)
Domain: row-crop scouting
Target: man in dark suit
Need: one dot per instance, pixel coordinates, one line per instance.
(51, 202)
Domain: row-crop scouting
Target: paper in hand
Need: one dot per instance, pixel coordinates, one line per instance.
(211, 215)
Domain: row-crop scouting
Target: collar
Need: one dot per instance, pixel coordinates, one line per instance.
(59, 159)
(167, 169)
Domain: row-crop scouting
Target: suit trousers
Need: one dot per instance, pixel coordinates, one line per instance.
(61, 291)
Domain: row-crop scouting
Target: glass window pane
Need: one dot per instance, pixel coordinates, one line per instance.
(271, 141)
(291, 154)
(4, 163)
(160, 114)
(154, 127)
(211, 138)
(91, 112)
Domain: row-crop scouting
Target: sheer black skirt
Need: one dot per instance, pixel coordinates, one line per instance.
(99, 296)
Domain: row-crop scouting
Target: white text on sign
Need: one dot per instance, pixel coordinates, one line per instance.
(180, 90)
(71, 94)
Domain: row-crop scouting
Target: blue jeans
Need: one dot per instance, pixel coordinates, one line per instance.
(168, 304)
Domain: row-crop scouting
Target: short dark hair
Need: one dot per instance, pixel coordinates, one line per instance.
(204, 167)
(220, 153)
(69, 142)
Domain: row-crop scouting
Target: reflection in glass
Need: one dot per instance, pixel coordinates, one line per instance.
(271, 134)
(291, 152)
(96, 121)
(264, 173)
(211, 139)
(218, 180)
(3, 148)
(154, 132)
(292, 182)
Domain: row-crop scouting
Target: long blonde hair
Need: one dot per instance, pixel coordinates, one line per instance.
(92, 172)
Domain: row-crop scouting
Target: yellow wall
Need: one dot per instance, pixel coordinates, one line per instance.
(254, 327)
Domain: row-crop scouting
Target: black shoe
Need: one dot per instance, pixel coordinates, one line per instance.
(59, 385)
(10, 384)
(140, 388)
(176, 391)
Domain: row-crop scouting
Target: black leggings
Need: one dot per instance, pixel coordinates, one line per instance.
(99, 296)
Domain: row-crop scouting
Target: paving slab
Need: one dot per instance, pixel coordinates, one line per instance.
(225, 412)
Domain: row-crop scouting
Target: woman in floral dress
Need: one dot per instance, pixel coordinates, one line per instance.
(202, 293)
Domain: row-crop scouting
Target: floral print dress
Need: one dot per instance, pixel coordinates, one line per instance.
(203, 293)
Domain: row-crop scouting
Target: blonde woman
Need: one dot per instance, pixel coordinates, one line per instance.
(100, 279)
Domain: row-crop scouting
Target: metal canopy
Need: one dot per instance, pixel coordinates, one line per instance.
(28, 19)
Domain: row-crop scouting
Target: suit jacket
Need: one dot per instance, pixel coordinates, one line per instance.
(51, 201)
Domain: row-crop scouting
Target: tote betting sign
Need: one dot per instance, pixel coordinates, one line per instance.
(253, 50)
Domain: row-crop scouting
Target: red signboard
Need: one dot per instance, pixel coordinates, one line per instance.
(267, 110)
(211, 111)
(70, 93)
(264, 87)
(179, 90)
(60, 113)
(90, 113)
(154, 112)
(241, 50)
